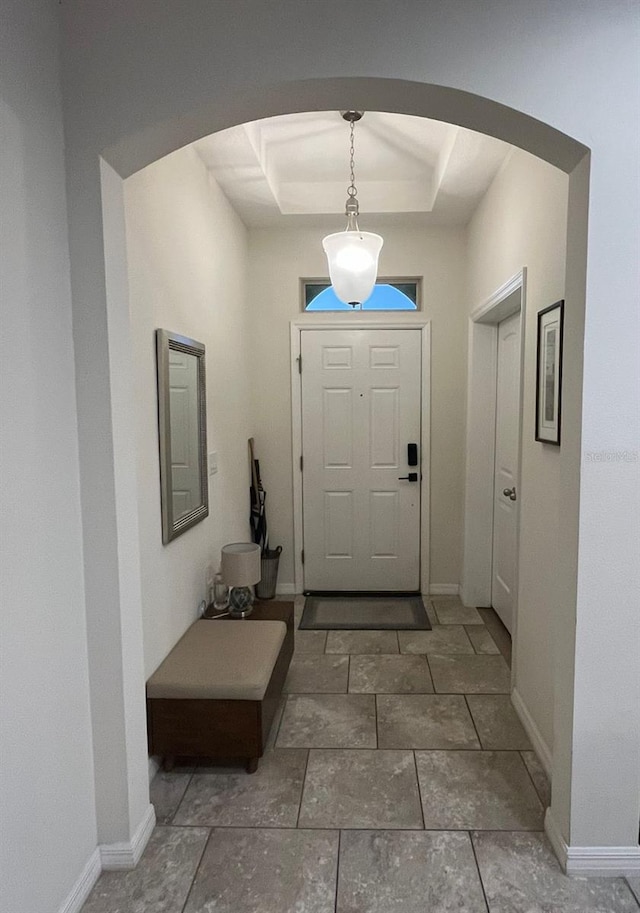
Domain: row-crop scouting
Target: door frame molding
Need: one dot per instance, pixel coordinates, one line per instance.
(361, 321)
(482, 377)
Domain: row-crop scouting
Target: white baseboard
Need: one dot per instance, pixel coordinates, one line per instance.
(82, 888)
(444, 589)
(286, 589)
(539, 745)
(592, 861)
(154, 767)
(126, 855)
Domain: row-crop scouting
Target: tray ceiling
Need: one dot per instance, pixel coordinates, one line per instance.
(294, 170)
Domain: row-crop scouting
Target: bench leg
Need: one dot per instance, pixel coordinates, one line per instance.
(252, 765)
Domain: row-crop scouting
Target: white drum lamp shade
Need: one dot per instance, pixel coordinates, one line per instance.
(353, 263)
(240, 565)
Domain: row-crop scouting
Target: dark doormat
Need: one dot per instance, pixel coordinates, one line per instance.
(370, 611)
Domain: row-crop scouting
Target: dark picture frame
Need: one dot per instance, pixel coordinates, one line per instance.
(549, 373)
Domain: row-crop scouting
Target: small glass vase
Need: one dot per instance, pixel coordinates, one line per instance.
(220, 594)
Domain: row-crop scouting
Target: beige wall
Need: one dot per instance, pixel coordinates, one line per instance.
(522, 221)
(187, 253)
(277, 261)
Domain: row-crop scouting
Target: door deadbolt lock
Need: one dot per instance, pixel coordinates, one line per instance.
(412, 477)
(510, 493)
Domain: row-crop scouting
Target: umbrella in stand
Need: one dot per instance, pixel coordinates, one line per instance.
(258, 516)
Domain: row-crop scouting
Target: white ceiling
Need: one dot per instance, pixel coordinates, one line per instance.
(294, 170)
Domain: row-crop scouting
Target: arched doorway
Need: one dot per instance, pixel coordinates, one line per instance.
(398, 96)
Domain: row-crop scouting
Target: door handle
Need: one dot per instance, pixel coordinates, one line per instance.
(510, 493)
(412, 477)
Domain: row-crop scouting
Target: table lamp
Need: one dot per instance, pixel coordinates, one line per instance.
(240, 569)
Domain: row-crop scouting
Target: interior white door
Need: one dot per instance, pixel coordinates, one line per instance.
(505, 508)
(361, 407)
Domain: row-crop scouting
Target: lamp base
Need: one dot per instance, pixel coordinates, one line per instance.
(240, 602)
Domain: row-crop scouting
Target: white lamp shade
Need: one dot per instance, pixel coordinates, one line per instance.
(353, 263)
(241, 563)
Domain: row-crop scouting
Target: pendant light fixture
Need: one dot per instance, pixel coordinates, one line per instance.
(352, 254)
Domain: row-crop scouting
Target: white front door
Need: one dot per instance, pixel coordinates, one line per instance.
(505, 507)
(361, 408)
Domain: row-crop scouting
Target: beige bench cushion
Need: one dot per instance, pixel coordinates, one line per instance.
(220, 659)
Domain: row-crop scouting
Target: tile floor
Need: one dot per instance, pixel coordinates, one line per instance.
(397, 779)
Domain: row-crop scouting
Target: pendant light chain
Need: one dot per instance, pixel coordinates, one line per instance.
(352, 192)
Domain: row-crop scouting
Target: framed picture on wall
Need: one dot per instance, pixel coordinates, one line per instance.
(549, 374)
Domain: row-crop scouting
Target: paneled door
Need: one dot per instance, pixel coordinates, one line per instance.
(505, 507)
(361, 409)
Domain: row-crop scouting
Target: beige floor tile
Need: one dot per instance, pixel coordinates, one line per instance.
(161, 880)
(309, 674)
(520, 873)
(166, 792)
(408, 872)
(497, 722)
(368, 642)
(634, 884)
(539, 776)
(389, 674)
(328, 721)
(482, 641)
(487, 790)
(456, 614)
(270, 797)
(361, 789)
(266, 871)
(310, 641)
(469, 674)
(442, 639)
(425, 721)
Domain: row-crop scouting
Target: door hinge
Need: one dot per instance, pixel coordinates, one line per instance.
(299, 360)
(302, 555)
(301, 462)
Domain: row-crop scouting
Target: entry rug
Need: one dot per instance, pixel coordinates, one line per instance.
(369, 611)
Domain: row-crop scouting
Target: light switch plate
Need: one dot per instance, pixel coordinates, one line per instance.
(213, 462)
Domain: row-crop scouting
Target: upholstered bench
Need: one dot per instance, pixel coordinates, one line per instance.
(216, 693)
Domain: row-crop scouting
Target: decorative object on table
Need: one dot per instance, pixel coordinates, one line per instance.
(266, 588)
(352, 254)
(270, 557)
(240, 571)
(549, 373)
(364, 611)
(220, 598)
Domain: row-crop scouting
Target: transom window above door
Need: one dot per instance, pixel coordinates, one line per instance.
(388, 294)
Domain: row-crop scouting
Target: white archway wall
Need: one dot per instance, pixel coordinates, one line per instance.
(122, 75)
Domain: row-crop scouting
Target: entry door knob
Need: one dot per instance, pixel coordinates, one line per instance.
(510, 493)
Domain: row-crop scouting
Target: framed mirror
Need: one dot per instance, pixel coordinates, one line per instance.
(182, 432)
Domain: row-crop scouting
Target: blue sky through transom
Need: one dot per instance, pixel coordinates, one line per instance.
(383, 298)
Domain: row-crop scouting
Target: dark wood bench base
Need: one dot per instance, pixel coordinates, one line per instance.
(221, 729)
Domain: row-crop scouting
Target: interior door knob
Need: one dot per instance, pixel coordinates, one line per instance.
(412, 477)
(510, 493)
